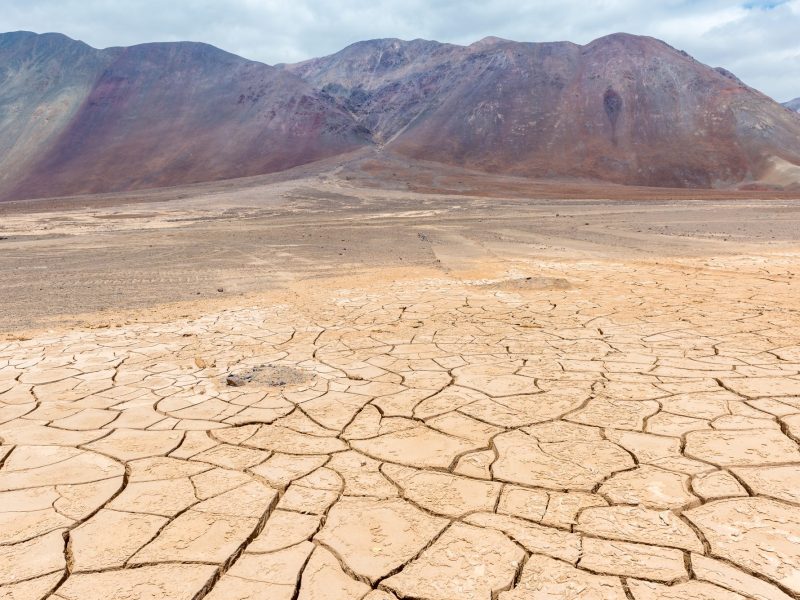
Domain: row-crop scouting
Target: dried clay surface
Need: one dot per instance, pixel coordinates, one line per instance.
(631, 433)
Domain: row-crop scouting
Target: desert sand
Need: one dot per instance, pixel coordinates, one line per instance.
(315, 389)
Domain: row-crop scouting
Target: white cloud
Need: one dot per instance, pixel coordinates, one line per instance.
(759, 41)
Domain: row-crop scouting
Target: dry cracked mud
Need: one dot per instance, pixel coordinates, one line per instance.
(632, 434)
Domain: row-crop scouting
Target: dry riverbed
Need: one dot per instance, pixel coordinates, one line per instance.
(314, 391)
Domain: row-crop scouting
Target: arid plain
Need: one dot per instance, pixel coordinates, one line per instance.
(312, 386)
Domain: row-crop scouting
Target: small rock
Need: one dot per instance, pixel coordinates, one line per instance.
(235, 381)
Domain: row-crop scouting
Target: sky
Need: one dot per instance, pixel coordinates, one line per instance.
(758, 40)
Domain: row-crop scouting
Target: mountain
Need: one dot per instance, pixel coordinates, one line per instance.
(75, 120)
(386, 83)
(624, 108)
(44, 80)
(793, 104)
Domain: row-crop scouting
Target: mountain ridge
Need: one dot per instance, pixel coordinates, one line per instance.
(161, 114)
(624, 109)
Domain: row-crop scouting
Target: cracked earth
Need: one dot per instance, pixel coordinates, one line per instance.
(566, 428)
(631, 435)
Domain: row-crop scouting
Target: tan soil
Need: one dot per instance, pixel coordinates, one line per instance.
(445, 397)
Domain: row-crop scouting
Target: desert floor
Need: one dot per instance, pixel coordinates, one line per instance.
(314, 389)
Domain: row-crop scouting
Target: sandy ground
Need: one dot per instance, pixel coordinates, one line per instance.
(107, 253)
(314, 389)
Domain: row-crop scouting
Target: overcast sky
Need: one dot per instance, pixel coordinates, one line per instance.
(757, 40)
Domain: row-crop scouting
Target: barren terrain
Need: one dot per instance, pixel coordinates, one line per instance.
(311, 388)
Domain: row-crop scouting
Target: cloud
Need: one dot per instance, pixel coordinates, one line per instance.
(757, 40)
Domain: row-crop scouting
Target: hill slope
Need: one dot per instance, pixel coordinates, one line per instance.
(44, 80)
(153, 115)
(623, 108)
(793, 104)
